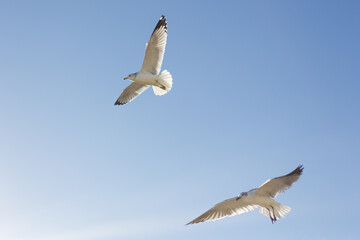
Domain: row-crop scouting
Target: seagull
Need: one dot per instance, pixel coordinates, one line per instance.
(150, 69)
(248, 201)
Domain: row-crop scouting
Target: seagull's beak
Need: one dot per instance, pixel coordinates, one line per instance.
(125, 78)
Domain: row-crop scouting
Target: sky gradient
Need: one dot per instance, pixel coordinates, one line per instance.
(259, 87)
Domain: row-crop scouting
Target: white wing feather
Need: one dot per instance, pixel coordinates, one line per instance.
(155, 48)
(131, 92)
(274, 186)
(227, 208)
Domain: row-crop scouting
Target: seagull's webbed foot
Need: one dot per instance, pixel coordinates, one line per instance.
(160, 86)
(273, 219)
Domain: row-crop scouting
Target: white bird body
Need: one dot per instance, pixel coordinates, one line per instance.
(248, 201)
(147, 79)
(150, 69)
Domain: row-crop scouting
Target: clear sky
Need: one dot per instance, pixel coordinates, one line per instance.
(259, 88)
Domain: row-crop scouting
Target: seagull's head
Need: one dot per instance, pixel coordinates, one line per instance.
(131, 76)
(241, 195)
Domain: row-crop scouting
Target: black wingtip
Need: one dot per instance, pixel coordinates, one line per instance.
(118, 103)
(161, 23)
(299, 169)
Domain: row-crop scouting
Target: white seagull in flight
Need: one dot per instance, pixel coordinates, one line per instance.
(150, 69)
(248, 201)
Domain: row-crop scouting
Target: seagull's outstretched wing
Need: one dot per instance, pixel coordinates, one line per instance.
(274, 186)
(131, 92)
(227, 208)
(155, 48)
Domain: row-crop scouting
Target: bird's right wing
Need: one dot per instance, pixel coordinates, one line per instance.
(155, 48)
(277, 185)
(227, 208)
(131, 92)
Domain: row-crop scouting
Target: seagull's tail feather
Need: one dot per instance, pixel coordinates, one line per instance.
(165, 80)
(278, 209)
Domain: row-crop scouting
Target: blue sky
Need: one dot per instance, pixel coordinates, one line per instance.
(259, 88)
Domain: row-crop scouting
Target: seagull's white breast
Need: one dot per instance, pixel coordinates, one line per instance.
(253, 198)
(146, 78)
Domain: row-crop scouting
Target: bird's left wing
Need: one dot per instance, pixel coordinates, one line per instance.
(274, 186)
(131, 92)
(227, 208)
(155, 48)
